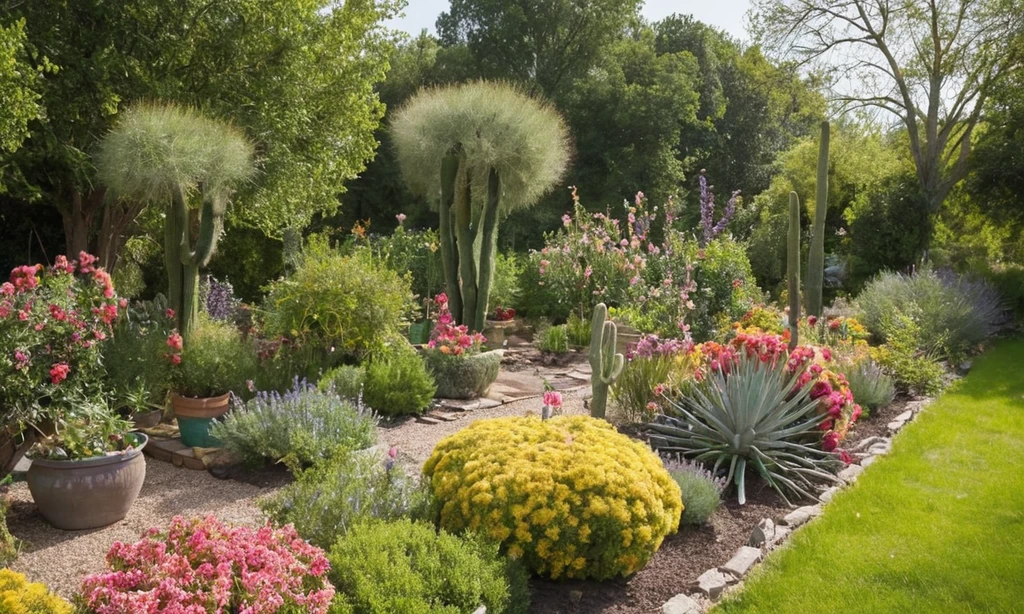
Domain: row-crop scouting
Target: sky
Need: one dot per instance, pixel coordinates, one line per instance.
(727, 15)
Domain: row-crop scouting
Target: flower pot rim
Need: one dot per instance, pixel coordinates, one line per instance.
(219, 397)
(98, 461)
(201, 407)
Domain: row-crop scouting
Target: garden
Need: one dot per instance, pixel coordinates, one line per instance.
(305, 314)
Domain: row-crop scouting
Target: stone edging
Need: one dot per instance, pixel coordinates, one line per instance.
(768, 536)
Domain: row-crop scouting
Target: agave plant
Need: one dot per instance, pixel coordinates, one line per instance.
(753, 414)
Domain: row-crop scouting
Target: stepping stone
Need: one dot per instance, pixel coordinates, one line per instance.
(460, 404)
(427, 420)
(186, 458)
(763, 533)
(850, 474)
(680, 604)
(487, 403)
(741, 562)
(712, 582)
(584, 377)
(445, 417)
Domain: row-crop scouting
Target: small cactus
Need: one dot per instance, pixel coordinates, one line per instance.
(794, 269)
(605, 363)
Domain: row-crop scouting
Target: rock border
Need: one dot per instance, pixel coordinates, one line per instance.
(768, 535)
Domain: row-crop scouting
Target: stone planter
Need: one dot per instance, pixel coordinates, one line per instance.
(496, 331)
(147, 419)
(463, 377)
(626, 339)
(195, 416)
(90, 493)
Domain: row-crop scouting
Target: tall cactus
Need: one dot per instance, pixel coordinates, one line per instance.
(606, 365)
(161, 153)
(793, 269)
(497, 149)
(816, 255)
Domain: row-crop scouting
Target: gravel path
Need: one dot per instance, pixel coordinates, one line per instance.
(61, 558)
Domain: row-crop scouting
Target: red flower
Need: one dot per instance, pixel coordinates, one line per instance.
(169, 313)
(820, 389)
(834, 324)
(175, 359)
(845, 457)
(812, 320)
(830, 441)
(553, 398)
(59, 372)
(174, 341)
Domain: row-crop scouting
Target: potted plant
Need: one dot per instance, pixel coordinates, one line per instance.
(53, 322)
(500, 321)
(89, 471)
(455, 357)
(215, 362)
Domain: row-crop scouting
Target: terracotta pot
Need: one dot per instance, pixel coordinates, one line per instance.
(90, 493)
(195, 416)
(212, 407)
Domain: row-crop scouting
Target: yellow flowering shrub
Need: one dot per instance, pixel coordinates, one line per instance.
(19, 596)
(571, 497)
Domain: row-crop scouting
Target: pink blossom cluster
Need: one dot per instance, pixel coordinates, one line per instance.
(50, 320)
(202, 566)
(450, 339)
(652, 346)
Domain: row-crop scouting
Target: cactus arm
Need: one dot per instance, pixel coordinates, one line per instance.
(816, 255)
(488, 245)
(606, 365)
(793, 266)
(449, 256)
(211, 222)
(464, 241)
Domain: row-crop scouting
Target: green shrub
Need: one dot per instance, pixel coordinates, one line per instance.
(554, 339)
(913, 371)
(135, 356)
(954, 314)
(300, 428)
(404, 567)
(349, 488)
(9, 545)
(505, 290)
(281, 361)
(1009, 282)
(463, 377)
(702, 491)
(396, 381)
(634, 390)
(871, 386)
(577, 329)
(215, 360)
(416, 252)
(351, 303)
(347, 381)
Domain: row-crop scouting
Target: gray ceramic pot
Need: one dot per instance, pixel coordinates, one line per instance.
(90, 493)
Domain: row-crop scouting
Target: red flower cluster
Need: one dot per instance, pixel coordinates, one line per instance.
(450, 339)
(502, 314)
(203, 565)
(175, 343)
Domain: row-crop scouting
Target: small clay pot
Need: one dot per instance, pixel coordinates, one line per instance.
(87, 494)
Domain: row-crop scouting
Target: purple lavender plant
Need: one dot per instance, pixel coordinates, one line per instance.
(220, 301)
(709, 228)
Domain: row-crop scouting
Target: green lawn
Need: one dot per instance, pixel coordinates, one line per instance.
(937, 526)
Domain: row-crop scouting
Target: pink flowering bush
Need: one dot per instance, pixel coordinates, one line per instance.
(204, 566)
(53, 321)
(451, 339)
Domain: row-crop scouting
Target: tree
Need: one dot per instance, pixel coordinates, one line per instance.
(497, 150)
(931, 63)
(189, 164)
(296, 75)
(18, 97)
(545, 43)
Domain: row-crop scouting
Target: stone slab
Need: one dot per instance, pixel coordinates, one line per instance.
(680, 604)
(763, 533)
(428, 420)
(801, 515)
(445, 417)
(711, 583)
(741, 562)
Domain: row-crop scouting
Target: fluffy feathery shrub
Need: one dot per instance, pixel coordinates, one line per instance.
(955, 314)
(397, 383)
(405, 567)
(702, 491)
(349, 488)
(19, 596)
(204, 565)
(569, 496)
(300, 427)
